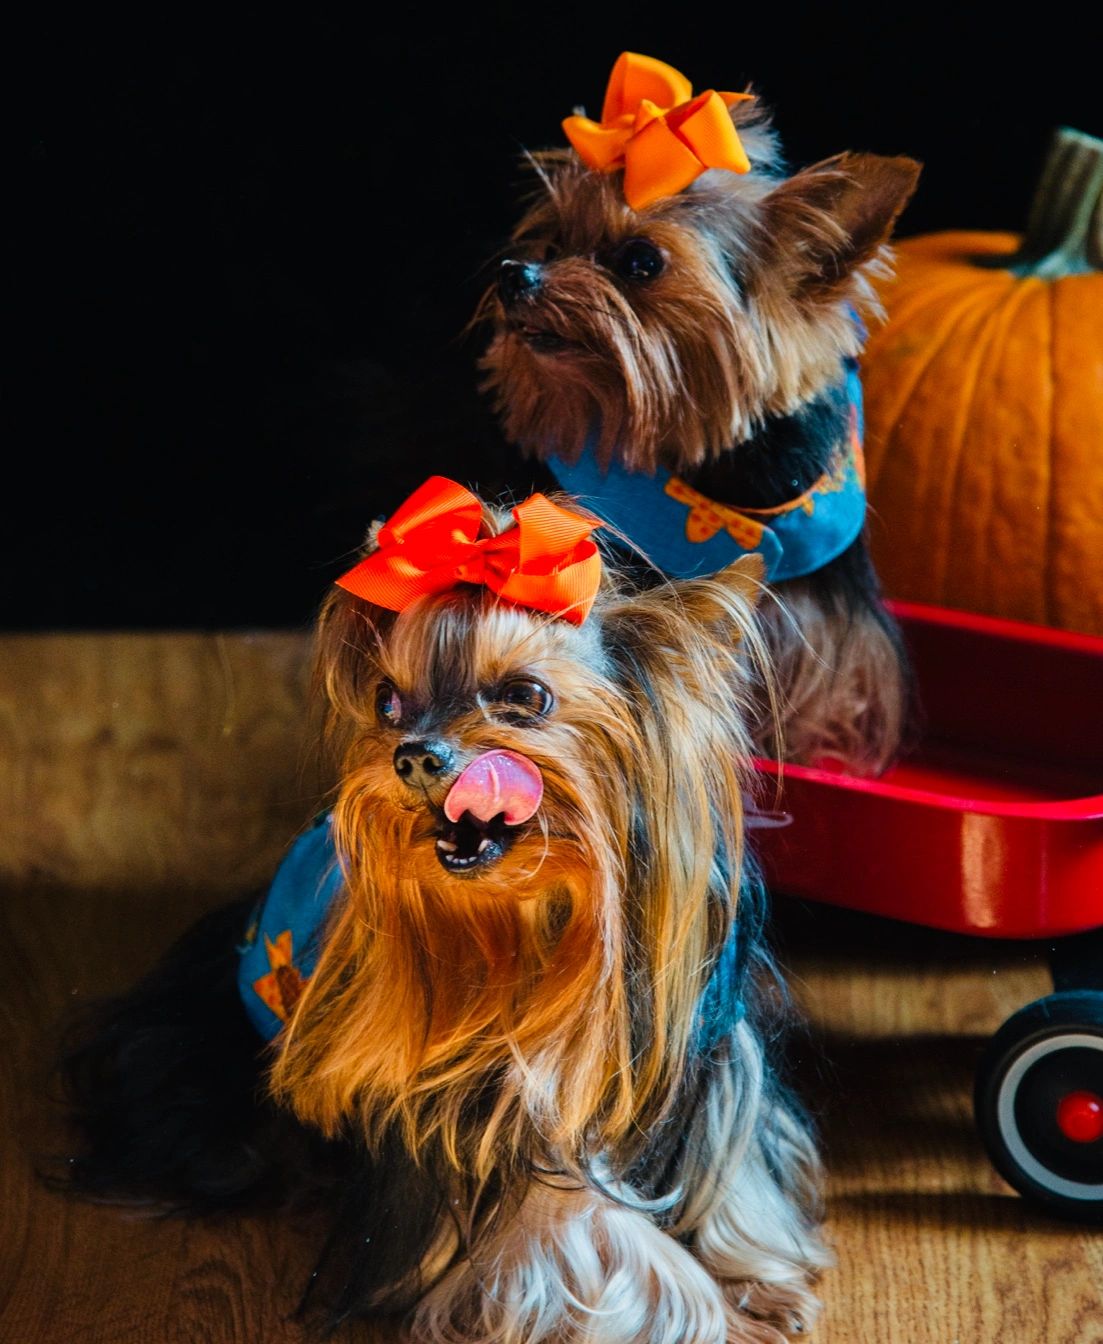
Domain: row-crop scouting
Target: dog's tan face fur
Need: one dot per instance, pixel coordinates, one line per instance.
(472, 680)
(635, 722)
(673, 332)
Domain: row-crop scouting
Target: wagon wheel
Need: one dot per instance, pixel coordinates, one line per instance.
(1039, 1102)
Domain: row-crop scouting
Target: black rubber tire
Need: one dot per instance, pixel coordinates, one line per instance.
(1047, 1049)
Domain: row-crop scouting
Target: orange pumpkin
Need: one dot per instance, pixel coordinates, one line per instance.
(984, 405)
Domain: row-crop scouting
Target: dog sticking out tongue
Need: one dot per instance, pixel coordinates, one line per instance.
(497, 783)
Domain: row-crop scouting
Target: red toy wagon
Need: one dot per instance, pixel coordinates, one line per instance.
(992, 824)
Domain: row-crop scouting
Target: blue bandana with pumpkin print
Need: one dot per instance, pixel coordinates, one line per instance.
(280, 947)
(686, 534)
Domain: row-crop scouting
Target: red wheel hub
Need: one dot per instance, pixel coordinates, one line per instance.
(1080, 1117)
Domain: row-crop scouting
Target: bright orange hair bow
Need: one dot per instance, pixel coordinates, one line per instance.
(432, 543)
(653, 128)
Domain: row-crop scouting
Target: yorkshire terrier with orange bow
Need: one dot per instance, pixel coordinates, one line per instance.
(522, 1024)
(675, 332)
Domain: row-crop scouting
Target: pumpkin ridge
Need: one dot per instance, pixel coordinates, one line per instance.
(1016, 423)
(1049, 597)
(932, 249)
(977, 354)
(917, 503)
(912, 299)
(999, 323)
(934, 491)
(905, 382)
(1077, 570)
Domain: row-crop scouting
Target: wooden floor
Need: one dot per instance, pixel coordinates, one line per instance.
(146, 777)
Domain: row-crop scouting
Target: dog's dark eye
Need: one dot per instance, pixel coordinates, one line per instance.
(526, 698)
(387, 703)
(639, 260)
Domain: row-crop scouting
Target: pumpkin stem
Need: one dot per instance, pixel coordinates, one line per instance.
(1064, 232)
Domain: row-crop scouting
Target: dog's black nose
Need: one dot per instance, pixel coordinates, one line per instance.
(420, 764)
(518, 280)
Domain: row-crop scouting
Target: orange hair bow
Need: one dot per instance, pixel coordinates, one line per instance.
(432, 543)
(653, 128)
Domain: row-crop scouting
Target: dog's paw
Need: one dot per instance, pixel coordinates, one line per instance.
(770, 1313)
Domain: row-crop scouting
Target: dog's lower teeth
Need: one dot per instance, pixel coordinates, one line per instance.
(467, 848)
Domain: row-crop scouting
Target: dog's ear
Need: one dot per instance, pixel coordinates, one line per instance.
(348, 635)
(720, 606)
(827, 220)
(745, 576)
(726, 598)
(742, 579)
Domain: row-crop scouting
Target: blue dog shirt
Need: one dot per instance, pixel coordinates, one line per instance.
(686, 534)
(280, 949)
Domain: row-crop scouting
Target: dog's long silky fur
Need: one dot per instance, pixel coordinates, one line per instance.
(541, 1140)
(744, 329)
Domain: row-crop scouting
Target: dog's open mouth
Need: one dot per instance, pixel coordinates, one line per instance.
(493, 795)
(468, 844)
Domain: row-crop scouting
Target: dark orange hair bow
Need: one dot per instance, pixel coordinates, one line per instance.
(432, 543)
(653, 128)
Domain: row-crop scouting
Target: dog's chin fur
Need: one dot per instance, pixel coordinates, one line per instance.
(525, 1136)
(749, 320)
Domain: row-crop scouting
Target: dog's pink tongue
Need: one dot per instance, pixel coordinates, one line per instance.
(496, 781)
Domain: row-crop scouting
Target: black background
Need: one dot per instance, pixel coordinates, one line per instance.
(246, 248)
